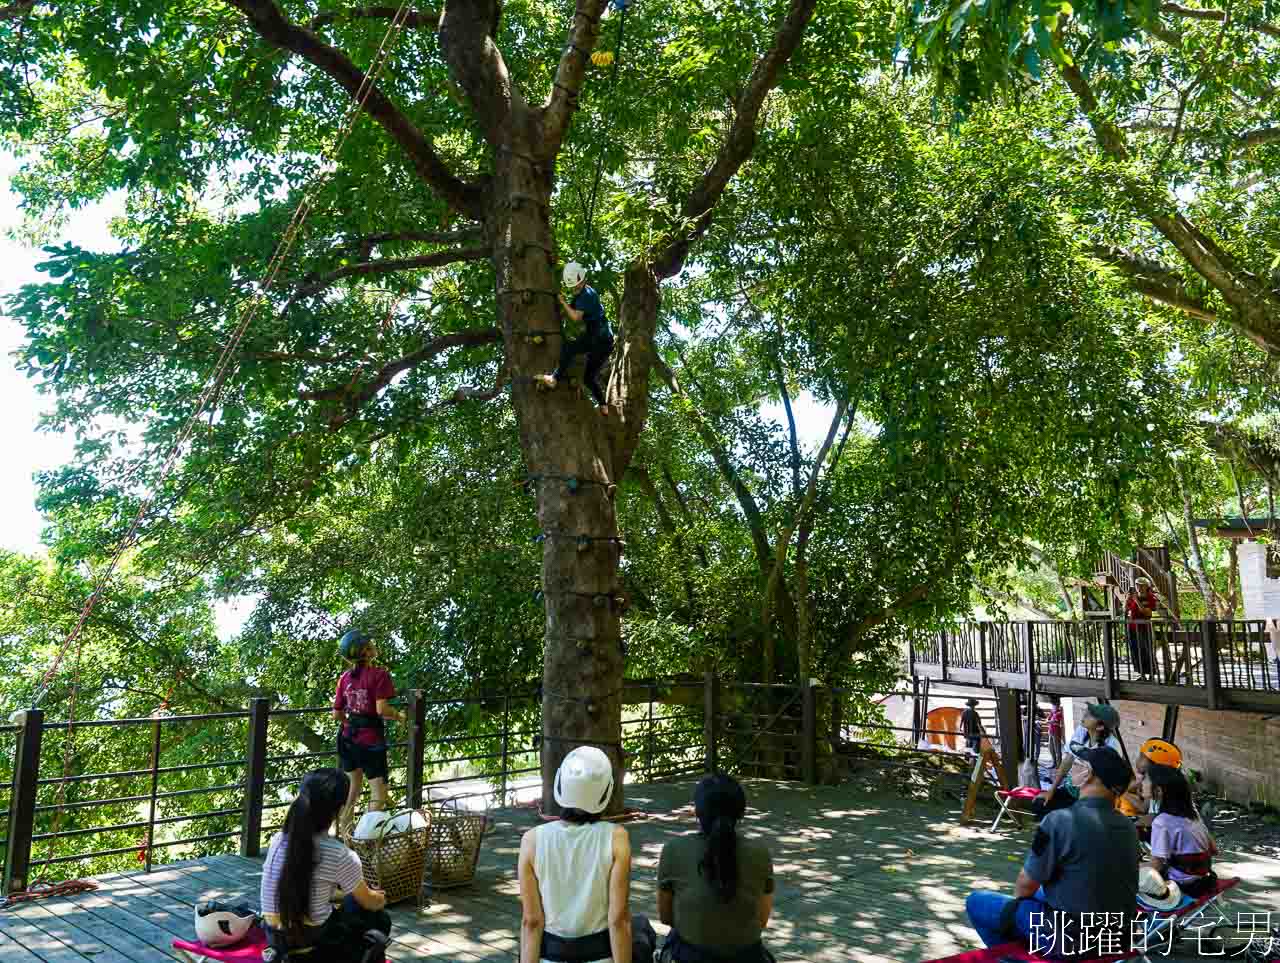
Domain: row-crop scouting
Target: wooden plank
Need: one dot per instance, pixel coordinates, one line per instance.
(134, 930)
(87, 940)
(11, 951)
(18, 935)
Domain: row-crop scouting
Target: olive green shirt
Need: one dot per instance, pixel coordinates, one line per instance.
(699, 915)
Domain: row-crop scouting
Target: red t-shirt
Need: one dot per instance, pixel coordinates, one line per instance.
(360, 695)
(1148, 601)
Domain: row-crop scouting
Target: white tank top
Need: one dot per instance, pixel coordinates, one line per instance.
(572, 864)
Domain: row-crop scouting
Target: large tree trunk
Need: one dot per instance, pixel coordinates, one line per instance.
(562, 437)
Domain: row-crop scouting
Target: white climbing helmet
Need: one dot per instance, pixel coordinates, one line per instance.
(585, 780)
(218, 924)
(574, 274)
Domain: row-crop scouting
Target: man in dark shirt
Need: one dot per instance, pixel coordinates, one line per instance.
(596, 341)
(1076, 894)
(971, 725)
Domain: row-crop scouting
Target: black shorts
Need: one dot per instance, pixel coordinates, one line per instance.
(371, 760)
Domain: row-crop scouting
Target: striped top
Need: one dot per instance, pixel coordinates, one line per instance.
(337, 868)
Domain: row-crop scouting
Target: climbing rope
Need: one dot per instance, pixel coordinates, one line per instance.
(42, 890)
(621, 6)
(222, 369)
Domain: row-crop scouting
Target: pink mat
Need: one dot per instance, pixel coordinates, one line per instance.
(1022, 792)
(1014, 951)
(248, 951)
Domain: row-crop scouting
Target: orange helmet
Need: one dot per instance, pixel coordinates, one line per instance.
(1162, 753)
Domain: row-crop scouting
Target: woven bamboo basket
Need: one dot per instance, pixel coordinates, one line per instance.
(397, 863)
(456, 834)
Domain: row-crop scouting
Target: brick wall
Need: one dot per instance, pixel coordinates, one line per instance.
(1237, 753)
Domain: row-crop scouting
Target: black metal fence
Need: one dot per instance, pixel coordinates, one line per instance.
(151, 803)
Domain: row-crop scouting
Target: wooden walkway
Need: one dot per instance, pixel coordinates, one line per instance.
(861, 876)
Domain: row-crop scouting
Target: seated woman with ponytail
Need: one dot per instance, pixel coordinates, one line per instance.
(304, 867)
(715, 889)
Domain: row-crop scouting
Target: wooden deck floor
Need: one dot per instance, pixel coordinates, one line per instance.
(861, 876)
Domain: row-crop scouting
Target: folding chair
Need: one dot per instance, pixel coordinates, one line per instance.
(1010, 800)
(248, 951)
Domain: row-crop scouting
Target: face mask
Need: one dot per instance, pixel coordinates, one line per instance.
(1080, 774)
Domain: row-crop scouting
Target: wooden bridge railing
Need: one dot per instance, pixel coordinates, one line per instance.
(1218, 664)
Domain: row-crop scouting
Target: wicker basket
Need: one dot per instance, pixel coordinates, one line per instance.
(397, 862)
(456, 834)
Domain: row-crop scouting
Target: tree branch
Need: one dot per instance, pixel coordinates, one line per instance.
(1155, 280)
(356, 397)
(417, 237)
(15, 10)
(477, 65)
(572, 70)
(270, 23)
(696, 211)
(411, 18)
(1178, 10)
(389, 265)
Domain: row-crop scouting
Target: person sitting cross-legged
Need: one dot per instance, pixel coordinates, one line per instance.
(1182, 848)
(715, 889)
(1097, 728)
(1078, 888)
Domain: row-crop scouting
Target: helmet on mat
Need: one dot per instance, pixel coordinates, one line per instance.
(584, 780)
(574, 274)
(218, 924)
(353, 644)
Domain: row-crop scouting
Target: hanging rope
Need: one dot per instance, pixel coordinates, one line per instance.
(621, 6)
(222, 369)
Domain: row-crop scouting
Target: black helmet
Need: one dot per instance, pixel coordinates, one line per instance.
(352, 644)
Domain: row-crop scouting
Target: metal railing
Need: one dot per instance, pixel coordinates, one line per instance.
(1233, 663)
(149, 804)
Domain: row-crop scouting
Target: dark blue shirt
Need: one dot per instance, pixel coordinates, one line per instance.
(588, 302)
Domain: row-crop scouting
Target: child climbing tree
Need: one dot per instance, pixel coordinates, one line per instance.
(456, 166)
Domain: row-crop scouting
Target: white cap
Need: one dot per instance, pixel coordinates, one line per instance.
(584, 780)
(574, 274)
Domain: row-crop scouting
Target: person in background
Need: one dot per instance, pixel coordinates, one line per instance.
(1057, 723)
(1083, 860)
(715, 889)
(971, 725)
(361, 704)
(1140, 605)
(575, 875)
(305, 867)
(1097, 728)
(1182, 848)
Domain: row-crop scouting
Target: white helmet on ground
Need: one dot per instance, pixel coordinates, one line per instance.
(585, 780)
(574, 274)
(218, 924)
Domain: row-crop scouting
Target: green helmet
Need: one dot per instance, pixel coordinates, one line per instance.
(352, 644)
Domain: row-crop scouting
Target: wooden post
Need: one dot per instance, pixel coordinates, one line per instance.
(986, 757)
(155, 785)
(648, 733)
(1010, 731)
(809, 732)
(1029, 655)
(710, 709)
(22, 801)
(506, 744)
(1209, 648)
(1108, 660)
(1170, 727)
(944, 655)
(255, 778)
(982, 653)
(416, 720)
(915, 712)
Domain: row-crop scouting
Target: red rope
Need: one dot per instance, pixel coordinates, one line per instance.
(42, 890)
